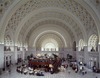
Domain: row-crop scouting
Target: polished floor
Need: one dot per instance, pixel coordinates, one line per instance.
(63, 74)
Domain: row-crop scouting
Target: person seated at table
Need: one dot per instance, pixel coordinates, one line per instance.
(40, 73)
(62, 68)
(25, 71)
(19, 69)
(31, 72)
(29, 68)
(76, 70)
(36, 71)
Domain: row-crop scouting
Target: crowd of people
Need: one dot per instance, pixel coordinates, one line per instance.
(51, 67)
(24, 69)
(39, 65)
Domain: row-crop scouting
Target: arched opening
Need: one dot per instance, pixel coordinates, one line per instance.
(81, 45)
(49, 45)
(92, 43)
(8, 43)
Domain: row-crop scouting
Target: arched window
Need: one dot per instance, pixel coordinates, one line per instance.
(92, 43)
(49, 45)
(81, 45)
(8, 41)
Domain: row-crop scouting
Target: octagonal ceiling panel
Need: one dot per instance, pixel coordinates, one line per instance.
(48, 37)
(70, 5)
(51, 14)
(49, 28)
(46, 22)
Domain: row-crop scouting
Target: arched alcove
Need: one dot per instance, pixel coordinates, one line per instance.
(7, 40)
(49, 45)
(81, 45)
(8, 43)
(92, 42)
(49, 41)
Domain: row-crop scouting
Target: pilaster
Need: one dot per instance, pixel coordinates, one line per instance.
(86, 55)
(99, 53)
(15, 55)
(1, 55)
(23, 53)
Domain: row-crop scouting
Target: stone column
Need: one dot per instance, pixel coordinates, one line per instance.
(99, 53)
(23, 53)
(76, 55)
(15, 56)
(1, 55)
(86, 56)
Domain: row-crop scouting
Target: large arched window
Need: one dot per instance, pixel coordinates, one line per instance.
(92, 43)
(81, 45)
(49, 45)
(8, 41)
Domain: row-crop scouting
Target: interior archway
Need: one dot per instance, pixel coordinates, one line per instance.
(81, 45)
(49, 45)
(92, 43)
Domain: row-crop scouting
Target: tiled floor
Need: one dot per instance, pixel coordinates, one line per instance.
(65, 74)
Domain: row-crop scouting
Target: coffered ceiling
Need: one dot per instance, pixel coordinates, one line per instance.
(73, 19)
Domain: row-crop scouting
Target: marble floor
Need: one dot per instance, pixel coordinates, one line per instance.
(64, 74)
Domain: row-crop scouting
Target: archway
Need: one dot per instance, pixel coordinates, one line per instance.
(81, 45)
(49, 45)
(92, 43)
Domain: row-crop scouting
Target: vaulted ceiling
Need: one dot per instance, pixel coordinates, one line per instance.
(31, 21)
